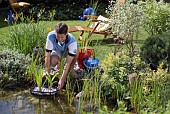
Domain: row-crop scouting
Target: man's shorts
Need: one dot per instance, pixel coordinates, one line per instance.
(59, 53)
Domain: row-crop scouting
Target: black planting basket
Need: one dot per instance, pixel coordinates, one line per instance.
(42, 93)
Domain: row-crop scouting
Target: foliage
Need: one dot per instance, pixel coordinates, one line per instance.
(58, 11)
(116, 69)
(41, 14)
(157, 16)
(13, 65)
(91, 92)
(166, 37)
(120, 110)
(154, 94)
(125, 19)
(36, 73)
(24, 37)
(50, 80)
(63, 10)
(38, 77)
(153, 50)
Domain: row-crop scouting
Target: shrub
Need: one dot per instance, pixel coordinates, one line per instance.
(13, 66)
(64, 10)
(116, 70)
(59, 11)
(154, 50)
(125, 19)
(155, 92)
(157, 17)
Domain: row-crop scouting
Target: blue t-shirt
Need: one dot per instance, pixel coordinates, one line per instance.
(69, 45)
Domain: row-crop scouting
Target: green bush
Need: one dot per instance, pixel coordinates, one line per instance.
(116, 71)
(63, 10)
(157, 16)
(125, 19)
(13, 66)
(154, 50)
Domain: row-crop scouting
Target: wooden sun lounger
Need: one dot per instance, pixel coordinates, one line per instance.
(88, 29)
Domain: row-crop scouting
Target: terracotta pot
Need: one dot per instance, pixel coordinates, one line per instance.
(84, 54)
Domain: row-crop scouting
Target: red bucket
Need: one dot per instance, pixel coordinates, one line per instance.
(83, 54)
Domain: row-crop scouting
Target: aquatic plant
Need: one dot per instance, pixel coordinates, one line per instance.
(35, 72)
(50, 80)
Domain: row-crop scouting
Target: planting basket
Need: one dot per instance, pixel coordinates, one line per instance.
(45, 91)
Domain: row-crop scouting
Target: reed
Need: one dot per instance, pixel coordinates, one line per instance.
(24, 37)
(91, 92)
(136, 95)
(70, 90)
(36, 73)
(38, 78)
(51, 80)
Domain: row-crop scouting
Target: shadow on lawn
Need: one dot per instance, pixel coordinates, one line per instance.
(111, 42)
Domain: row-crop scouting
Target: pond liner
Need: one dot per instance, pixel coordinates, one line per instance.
(45, 91)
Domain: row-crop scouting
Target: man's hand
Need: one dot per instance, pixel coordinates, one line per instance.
(60, 84)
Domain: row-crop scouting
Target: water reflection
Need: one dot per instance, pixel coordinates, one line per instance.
(22, 102)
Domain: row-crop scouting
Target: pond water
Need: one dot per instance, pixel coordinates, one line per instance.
(22, 102)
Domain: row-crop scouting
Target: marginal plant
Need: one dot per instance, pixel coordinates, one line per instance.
(35, 72)
(91, 93)
(25, 37)
(51, 81)
(136, 95)
(148, 91)
(70, 90)
(38, 78)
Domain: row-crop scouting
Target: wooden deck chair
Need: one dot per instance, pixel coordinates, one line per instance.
(97, 26)
(17, 7)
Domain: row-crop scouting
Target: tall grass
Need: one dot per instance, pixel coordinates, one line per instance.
(25, 37)
(136, 94)
(91, 91)
(70, 90)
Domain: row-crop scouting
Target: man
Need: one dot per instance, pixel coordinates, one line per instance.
(59, 44)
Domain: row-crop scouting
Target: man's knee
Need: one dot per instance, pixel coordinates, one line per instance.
(54, 60)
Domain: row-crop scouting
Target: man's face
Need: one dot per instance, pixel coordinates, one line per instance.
(61, 37)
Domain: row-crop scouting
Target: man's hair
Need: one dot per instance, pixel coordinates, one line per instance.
(61, 28)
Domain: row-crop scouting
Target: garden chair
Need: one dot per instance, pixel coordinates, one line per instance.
(17, 7)
(98, 26)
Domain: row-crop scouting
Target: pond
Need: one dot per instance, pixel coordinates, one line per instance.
(20, 101)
